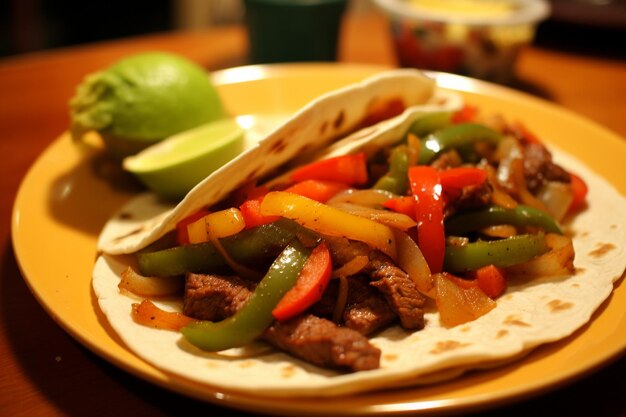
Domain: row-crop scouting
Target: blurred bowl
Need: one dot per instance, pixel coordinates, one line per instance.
(478, 38)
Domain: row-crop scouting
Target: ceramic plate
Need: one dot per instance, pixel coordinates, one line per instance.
(70, 192)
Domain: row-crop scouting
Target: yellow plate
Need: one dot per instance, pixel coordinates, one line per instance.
(68, 195)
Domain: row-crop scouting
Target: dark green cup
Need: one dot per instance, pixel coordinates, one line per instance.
(293, 30)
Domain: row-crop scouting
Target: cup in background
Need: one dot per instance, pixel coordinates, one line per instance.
(293, 30)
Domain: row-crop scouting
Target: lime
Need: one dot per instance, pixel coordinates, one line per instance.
(143, 99)
(175, 165)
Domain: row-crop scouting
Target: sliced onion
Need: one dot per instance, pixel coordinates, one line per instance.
(556, 197)
(412, 261)
(367, 198)
(342, 299)
(389, 218)
(559, 260)
(148, 314)
(149, 286)
(352, 267)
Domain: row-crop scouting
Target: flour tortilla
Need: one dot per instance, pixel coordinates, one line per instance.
(316, 126)
(531, 313)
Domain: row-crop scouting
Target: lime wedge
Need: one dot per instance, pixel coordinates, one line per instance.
(175, 165)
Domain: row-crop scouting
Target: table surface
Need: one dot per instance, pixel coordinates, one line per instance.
(46, 372)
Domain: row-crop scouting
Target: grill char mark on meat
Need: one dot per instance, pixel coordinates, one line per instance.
(313, 339)
(395, 284)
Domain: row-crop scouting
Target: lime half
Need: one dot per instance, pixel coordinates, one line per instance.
(175, 165)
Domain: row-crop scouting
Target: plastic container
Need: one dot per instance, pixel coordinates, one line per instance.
(478, 38)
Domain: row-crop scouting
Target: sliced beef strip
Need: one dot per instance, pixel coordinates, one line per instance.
(313, 339)
(321, 342)
(366, 310)
(471, 197)
(395, 284)
(214, 297)
(539, 167)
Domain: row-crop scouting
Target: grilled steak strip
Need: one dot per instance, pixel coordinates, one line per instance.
(313, 339)
(214, 297)
(366, 309)
(321, 342)
(395, 284)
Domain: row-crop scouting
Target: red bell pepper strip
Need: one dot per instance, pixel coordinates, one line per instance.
(309, 286)
(317, 190)
(579, 191)
(462, 177)
(490, 279)
(251, 212)
(426, 188)
(348, 169)
(182, 235)
(404, 205)
(466, 114)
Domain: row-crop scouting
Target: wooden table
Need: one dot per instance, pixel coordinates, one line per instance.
(46, 372)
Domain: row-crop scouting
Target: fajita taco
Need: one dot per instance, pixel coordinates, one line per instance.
(498, 187)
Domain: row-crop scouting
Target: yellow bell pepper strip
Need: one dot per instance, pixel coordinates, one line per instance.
(256, 315)
(455, 136)
(501, 253)
(426, 189)
(309, 286)
(218, 224)
(349, 169)
(519, 216)
(182, 234)
(329, 220)
(396, 180)
(249, 245)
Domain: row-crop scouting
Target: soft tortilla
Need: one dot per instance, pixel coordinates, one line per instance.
(317, 125)
(531, 313)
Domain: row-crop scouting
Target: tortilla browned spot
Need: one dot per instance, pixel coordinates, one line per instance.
(447, 345)
(323, 127)
(501, 333)
(390, 357)
(125, 215)
(339, 120)
(601, 250)
(278, 146)
(288, 371)
(558, 305)
(515, 321)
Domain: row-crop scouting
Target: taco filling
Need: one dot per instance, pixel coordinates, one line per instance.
(325, 255)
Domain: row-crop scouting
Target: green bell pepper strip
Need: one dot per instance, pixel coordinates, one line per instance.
(396, 179)
(501, 253)
(256, 315)
(249, 245)
(429, 123)
(455, 136)
(495, 215)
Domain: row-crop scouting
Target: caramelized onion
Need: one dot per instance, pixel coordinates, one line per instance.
(148, 286)
(368, 198)
(412, 261)
(148, 314)
(559, 260)
(556, 197)
(388, 218)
